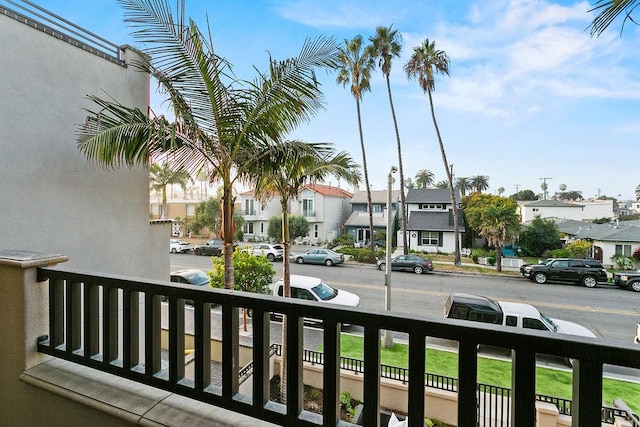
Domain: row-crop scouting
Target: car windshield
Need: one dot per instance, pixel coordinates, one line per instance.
(549, 323)
(324, 291)
(199, 278)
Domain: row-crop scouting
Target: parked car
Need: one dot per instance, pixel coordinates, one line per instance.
(190, 277)
(482, 309)
(213, 247)
(272, 252)
(588, 272)
(627, 280)
(179, 246)
(318, 256)
(409, 262)
(315, 289)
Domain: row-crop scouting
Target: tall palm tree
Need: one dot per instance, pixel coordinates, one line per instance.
(480, 183)
(499, 224)
(161, 176)
(222, 123)
(424, 63)
(424, 178)
(354, 69)
(463, 185)
(609, 10)
(442, 185)
(386, 45)
(284, 175)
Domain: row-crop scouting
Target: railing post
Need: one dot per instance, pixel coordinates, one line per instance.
(371, 376)
(467, 382)
(331, 373)
(24, 318)
(417, 350)
(523, 379)
(586, 403)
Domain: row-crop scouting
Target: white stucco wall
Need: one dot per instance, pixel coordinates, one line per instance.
(52, 199)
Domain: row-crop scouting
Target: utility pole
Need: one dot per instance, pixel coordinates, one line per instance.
(544, 186)
(517, 187)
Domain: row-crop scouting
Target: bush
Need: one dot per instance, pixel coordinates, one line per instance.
(362, 254)
(579, 248)
(561, 253)
(636, 254)
(623, 262)
(343, 240)
(491, 260)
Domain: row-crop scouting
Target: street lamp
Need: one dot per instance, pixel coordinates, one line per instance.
(387, 340)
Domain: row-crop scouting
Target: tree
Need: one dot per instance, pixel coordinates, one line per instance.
(409, 184)
(161, 176)
(298, 227)
(463, 185)
(354, 69)
(524, 195)
(424, 178)
(424, 63)
(251, 274)
(499, 224)
(638, 192)
(609, 11)
(500, 191)
(539, 236)
(579, 248)
(479, 183)
(443, 185)
(223, 124)
(207, 215)
(476, 203)
(284, 175)
(386, 45)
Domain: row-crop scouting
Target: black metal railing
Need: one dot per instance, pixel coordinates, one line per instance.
(113, 324)
(41, 19)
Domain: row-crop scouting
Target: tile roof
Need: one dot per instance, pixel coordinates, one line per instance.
(328, 190)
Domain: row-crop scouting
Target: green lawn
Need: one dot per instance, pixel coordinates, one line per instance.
(550, 382)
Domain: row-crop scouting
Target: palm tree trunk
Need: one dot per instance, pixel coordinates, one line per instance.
(164, 202)
(286, 292)
(499, 258)
(366, 181)
(454, 206)
(402, 197)
(227, 235)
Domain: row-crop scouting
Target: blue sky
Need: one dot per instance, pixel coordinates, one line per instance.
(530, 93)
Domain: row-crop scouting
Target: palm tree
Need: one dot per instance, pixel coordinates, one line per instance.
(499, 225)
(479, 183)
(638, 192)
(222, 123)
(500, 191)
(354, 68)
(442, 185)
(609, 10)
(425, 61)
(284, 175)
(463, 185)
(386, 45)
(161, 176)
(424, 178)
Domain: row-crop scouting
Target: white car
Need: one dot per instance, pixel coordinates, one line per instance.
(272, 252)
(179, 246)
(315, 289)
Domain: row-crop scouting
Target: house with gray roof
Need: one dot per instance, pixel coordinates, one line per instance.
(430, 220)
(607, 239)
(358, 222)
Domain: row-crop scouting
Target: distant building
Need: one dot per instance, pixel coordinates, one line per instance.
(358, 222)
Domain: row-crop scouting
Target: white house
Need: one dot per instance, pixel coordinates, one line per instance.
(430, 220)
(358, 222)
(257, 214)
(549, 209)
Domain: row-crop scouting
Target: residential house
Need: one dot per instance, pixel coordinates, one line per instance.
(325, 208)
(358, 222)
(430, 220)
(52, 196)
(607, 239)
(550, 209)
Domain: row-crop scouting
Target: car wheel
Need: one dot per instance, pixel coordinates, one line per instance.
(299, 260)
(634, 286)
(271, 257)
(328, 262)
(417, 269)
(540, 278)
(197, 251)
(382, 266)
(173, 250)
(589, 281)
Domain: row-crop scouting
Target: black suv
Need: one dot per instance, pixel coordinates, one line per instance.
(627, 280)
(588, 272)
(213, 247)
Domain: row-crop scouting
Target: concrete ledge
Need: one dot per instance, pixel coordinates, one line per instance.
(127, 400)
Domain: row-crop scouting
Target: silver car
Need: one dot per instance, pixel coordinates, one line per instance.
(318, 256)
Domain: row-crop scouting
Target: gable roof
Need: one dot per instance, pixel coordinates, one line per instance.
(377, 196)
(600, 232)
(328, 190)
(433, 221)
(361, 219)
(430, 195)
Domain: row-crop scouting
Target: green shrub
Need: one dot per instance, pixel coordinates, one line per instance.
(623, 262)
(561, 253)
(362, 254)
(491, 260)
(343, 240)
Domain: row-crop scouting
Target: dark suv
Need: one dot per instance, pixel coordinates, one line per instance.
(213, 247)
(588, 272)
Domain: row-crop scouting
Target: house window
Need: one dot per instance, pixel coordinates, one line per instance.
(623, 250)
(262, 228)
(155, 209)
(377, 208)
(431, 206)
(430, 238)
(191, 210)
(307, 207)
(249, 207)
(315, 230)
(536, 209)
(248, 228)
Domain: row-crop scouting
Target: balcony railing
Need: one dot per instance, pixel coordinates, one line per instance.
(309, 213)
(113, 324)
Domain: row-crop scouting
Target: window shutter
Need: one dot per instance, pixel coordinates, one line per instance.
(440, 236)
